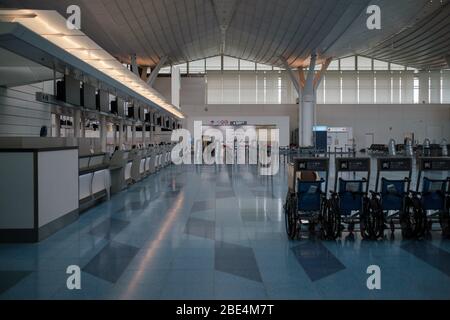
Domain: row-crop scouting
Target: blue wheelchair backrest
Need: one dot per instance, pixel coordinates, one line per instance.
(309, 195)
(350, 195)
(433, 194)
(392, 194)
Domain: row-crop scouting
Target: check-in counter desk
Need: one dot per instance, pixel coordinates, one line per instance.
(95, 180)
(128, 165)
(135, 158)
(38, 192)
(120, 169)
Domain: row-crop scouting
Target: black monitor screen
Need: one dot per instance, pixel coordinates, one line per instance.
(103, 100)
(88, 96)
(72, 90)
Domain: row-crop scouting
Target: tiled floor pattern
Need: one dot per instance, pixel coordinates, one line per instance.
(212, 232)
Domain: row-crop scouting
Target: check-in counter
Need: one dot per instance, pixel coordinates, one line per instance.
(95, 180)
(39, 192)
(159, 157)
(135, 157)
(147, 156)
(143, 154)
(128, 167)
(118, 169)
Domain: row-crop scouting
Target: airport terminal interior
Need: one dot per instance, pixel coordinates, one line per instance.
(224, 149)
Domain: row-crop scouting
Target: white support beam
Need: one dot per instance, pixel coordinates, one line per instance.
(308, 106)
(103, 133)
(154, 74)
(291, 75)
(319, 75)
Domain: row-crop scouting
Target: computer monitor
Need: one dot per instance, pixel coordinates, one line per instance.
(88, 96)
(103, 100)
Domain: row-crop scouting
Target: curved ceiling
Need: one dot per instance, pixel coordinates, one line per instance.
(425, 45)
(261, 30)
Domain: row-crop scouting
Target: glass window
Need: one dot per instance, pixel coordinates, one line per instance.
(334, 65)
(260, 66)
(397, 67)
(197, 66)
(380, 65)
(230, 63)
(348, 63)
(364, 63)
(165, 70)
(214, 63)
(183, 68)
(246, 65)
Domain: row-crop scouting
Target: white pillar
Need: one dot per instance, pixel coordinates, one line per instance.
(306, 121)
(115, 134)
(76, 123)
(424, 86)
(103, 133)
(133, 134)
(121, 135)
(83, 126)
(144, 138)
(176, 86)
(57, 125)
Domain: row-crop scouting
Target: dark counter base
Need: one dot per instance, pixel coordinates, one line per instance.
(36, 235)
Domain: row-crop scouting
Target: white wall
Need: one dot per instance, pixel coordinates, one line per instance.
(282, 123)
(20, 113)
(389, 121)
(384, 121)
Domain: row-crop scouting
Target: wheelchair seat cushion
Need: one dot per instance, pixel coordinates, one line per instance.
(309, 195)
(350, 196)
(392, 194)
(433, 194)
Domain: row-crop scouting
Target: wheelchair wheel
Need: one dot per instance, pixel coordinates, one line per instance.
(291, 221)
(330, 219)
(372, 219)
(413, 219)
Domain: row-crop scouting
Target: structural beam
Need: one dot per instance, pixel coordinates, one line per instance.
(291, 75)
(154, 74)
(134, 65)
(308, 105)
(319, 75)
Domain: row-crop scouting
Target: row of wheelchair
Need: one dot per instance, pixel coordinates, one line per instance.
(353, 207)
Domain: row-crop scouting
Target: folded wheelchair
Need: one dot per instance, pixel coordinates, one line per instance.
(306, 196)
(348, 204)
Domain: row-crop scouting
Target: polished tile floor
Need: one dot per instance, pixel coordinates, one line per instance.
(214, 232)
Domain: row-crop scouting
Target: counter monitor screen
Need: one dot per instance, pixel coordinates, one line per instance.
(103, 101)
(88, 96)
(72, 90)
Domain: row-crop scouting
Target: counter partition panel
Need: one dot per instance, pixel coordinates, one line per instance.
(39, 192)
